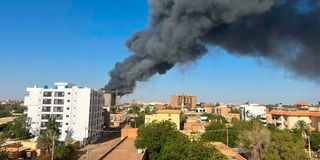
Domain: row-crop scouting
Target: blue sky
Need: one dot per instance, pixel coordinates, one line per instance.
(42, 42)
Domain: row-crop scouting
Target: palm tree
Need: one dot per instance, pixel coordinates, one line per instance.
(302, 126)
(48, 138)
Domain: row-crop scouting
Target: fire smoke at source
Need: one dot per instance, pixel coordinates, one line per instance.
(287, 32)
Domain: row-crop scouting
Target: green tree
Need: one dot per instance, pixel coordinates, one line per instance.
(285, 146)
(217, 132)
(63, 152)
(183, 148)
(18, 129)
(134, 110)
(215, 118)
(5, 113)
(138, 121)
(165, 142)
(315, 141)
(154, 135)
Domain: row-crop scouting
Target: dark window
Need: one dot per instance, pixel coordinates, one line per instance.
(46, 109)
(58, 101)
(46, 101)
(47, 94)
(59, 94)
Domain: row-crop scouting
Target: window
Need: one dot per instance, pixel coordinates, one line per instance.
(66, 131)
(57, 109)
(46, 109)
(67, 123)
(58, 116)
(46, 101)
(67, 116)
(69, 93)
(58, 101)
(68, 100)
(45, 116)
(68, 108)
(59, 94)
(47, 94)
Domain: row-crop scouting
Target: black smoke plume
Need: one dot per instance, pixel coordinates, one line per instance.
(286, 32)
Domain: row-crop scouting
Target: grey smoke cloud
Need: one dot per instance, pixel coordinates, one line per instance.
(180, 31)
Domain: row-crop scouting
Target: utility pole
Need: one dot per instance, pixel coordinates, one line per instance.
(309, 147)
(227, 136)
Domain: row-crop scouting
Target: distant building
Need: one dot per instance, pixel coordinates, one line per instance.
(247, 111)
(288, 119)
(185, 101)
(165, 115)
(221, 110)
(78, 111)
(302, 105)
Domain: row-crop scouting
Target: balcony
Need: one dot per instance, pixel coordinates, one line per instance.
(59, 94)
(58, 116)
(45, 116)
(46, 101)
(47, 94)
(59, 101)
(46, 109)
(57, 109)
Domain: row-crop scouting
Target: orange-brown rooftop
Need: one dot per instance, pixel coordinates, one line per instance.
(302, 104)
(226, 151)
(296, 113)
(168, 111)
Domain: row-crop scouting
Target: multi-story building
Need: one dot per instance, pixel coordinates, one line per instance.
(165, 115)
(179, 101)
(288, 119)
(247, 111)
(77, 110)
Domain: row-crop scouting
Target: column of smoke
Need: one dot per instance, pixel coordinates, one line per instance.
(287, 32)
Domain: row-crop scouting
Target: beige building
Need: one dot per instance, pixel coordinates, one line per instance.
(165, 115)
(288, 119)
(179, 101)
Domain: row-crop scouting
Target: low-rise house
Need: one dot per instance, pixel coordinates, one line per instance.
(165, 115)
(288, 119)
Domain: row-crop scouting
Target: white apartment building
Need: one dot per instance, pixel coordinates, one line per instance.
(253, 110)
(77, 110)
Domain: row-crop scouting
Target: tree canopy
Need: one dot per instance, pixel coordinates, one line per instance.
(165, 142)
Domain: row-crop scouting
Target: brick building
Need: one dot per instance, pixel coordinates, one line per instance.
(179, 101)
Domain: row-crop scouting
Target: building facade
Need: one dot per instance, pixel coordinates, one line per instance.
(165, 115)
(288, 119)
(180, 101)
(78, 111)
(247, 111)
